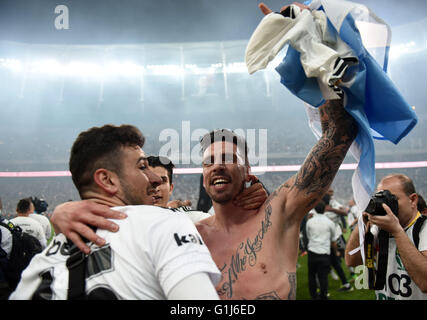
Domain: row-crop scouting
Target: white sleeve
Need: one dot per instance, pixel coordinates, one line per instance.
(422, 245)
(194, 287)
(178, 252)
(41, 236)
(47, 228)
(334, 232)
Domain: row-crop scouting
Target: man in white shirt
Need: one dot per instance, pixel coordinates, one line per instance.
(406, 272)
(29, 225)
(5, 250)
(43, 220)
(257, 250)
(321, 236)
(157, 254)
(335, 211)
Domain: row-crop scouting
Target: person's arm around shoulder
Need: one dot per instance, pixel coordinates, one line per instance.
(74, 219)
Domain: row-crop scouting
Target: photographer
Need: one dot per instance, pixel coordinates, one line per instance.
(406, 267)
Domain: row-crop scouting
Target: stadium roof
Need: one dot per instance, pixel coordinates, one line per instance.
(149, 21)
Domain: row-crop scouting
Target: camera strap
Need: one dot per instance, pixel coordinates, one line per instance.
(380, 278)
(416, 230)
(369, 257)
(76, 265)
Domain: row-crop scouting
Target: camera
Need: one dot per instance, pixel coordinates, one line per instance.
(375, 204)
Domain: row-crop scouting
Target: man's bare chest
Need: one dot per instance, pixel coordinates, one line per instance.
(246, 257)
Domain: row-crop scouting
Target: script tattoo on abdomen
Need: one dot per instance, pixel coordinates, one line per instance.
(245, 256)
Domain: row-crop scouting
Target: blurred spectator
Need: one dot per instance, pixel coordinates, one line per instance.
(28, 225)
(334, 210)
(39, 207)
(421, 205)
(321, 235)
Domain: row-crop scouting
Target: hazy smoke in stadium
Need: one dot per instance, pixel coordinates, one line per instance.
(156, 64)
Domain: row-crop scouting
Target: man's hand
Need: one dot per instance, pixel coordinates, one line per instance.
(72, 219)
(179, 203)
(389, 222)
(266, 10)
(252, 197)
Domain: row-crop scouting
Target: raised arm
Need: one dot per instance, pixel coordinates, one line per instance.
(301, 192)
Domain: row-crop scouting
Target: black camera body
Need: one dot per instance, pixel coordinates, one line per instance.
(375, 204)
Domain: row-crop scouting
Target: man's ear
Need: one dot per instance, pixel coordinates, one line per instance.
(171, 189)
(107, 180)
(414, 200)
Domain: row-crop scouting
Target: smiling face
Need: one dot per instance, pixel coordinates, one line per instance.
(224, 171)
(137, 181)
(163, 191)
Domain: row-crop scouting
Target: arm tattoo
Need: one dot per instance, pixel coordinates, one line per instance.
(292, 276)
(323, 161)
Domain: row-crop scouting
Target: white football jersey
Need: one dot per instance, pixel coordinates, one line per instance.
(45, 223)
(32, 227)
(398, 284)
(194, 215)
(154, 249)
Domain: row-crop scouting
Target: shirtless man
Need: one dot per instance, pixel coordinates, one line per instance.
(256, 250)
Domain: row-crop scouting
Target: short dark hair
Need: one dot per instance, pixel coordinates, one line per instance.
(224, 135)
(406, 182)
(23, 205)
(158, 161)
(421, 205)
(320, 207)
(100, 147)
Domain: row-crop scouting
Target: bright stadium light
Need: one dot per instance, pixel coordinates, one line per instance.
(400, 49)
(236, 67)
(126, 68)
(83, 69)
(166, 69)
(47, 66)
(12, 64)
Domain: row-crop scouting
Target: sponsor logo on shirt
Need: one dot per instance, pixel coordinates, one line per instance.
(188, 238)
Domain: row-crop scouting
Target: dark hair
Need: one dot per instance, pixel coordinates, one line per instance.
(40, 205)
(406, 182)
(224, 135)
(421, 204)
(320, 207)
(157, 161)
(23, 205)
(100, 147)
(326, 199)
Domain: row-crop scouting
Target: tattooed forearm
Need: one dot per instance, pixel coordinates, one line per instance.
(322, 163)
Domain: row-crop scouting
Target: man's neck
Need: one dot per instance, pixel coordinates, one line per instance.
(228, 215)
(102, 199)
(19, 214)
(411, 220)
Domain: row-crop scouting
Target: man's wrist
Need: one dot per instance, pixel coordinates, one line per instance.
(398, 232)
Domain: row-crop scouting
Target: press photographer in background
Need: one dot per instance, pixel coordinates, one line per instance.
(405, 268)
